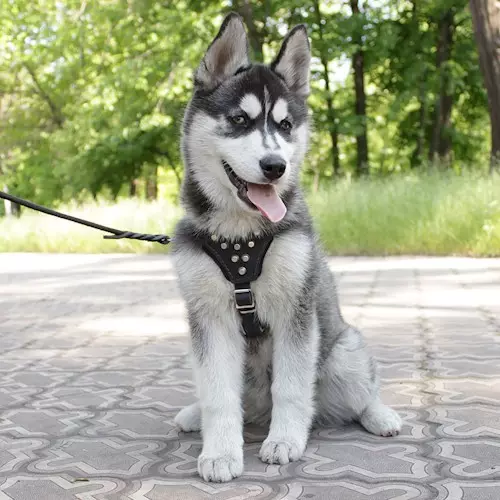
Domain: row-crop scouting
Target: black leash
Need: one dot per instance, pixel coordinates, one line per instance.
(117, 234)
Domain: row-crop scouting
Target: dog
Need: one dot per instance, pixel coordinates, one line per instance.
(244, 137)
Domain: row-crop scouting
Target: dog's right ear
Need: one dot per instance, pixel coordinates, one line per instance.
(294, 59)
(225, 56)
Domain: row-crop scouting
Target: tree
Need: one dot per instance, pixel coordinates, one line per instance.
(92, 94)
(486, 20)
(440, 140)
(94, 87)
(331, 113)
(255, 35)
(362, 166)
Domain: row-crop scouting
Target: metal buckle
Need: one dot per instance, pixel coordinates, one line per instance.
(246, 308)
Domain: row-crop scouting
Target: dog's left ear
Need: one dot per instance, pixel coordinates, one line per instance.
(294, 59)
(225, 56)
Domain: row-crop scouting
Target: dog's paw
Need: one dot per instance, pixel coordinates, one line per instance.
(222, 468)
(280, 451)
(381, 420)
(189, 418)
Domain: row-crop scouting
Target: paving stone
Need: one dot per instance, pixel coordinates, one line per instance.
(94, 366)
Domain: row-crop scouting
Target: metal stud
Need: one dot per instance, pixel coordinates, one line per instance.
(223, 246)
(235, 258)
(214, 237)
(237, 246)
(242, 271)
(251, 244)
(245, 258)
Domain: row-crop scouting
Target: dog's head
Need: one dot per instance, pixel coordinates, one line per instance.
(246, 129)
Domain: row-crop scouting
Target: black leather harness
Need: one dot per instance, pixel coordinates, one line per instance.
(241, 263)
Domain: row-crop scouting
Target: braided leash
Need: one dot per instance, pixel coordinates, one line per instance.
(116, 233)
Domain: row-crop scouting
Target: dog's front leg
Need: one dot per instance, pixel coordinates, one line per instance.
(294, 366)
(218, 350)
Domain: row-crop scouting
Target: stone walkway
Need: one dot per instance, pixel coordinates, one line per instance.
(93, 369)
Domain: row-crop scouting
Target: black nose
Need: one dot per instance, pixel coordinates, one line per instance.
(273, 166)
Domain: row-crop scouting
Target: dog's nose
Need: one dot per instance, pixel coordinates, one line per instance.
(273, 166)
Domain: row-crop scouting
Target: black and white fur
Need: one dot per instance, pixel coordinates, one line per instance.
(312, 367)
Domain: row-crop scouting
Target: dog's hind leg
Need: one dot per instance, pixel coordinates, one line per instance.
(348, 388)
(189, 418)
(381, 420)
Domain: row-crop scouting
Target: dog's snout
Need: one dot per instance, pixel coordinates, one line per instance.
(273, 166)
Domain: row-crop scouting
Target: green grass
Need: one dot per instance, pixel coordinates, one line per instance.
(430, 214)
(426, 215)
(34, 232)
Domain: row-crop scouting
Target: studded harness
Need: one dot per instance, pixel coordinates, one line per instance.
(241, 263)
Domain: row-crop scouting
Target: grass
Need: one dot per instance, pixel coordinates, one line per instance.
(426, 215)
(34, 232)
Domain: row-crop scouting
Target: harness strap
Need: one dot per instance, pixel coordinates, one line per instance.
(245, 305)
(241, 263)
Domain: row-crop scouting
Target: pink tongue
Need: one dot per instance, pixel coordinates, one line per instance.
(265, 198)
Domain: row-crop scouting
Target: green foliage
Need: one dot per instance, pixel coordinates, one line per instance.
(92, 93)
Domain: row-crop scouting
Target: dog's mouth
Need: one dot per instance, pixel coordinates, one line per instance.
(262, 197)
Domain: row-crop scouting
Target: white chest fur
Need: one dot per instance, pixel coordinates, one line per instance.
(283, 273)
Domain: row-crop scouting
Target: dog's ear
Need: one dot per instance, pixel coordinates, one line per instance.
(294, 59)
(225, 56)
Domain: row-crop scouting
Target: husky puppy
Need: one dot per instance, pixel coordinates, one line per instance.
(245, 134)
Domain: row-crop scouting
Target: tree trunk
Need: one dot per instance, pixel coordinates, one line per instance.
(11, 209)
(132, 189)
(444, 145)
(334, 138)
(57, 114)
(422, 121)
(330, 109)
(359, 87)
(440, 147)
(418, 155)
(152, 184)
(486, 20)
(244, 8)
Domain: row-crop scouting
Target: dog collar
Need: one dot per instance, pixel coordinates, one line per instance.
(241, 263)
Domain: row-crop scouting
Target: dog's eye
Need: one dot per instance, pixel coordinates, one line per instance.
(239, 119)
(285, 125)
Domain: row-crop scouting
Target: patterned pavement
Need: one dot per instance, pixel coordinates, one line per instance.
(93, 369)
